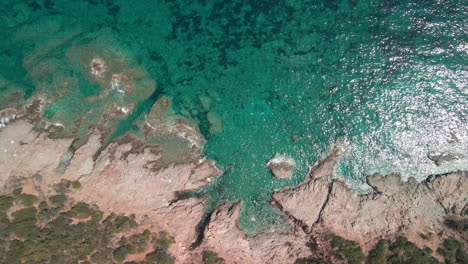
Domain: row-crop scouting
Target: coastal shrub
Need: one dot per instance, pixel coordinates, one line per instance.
(81, 210)
(160, 256)
(25, 199)
(119, 223)
(4, 222)
(22, 198)
(349, 250)
(6, 202)
(121, 253)
(162, 240)
(62, 187)
(75, 184)
(140, 242)
(58, 200)
(398, 252)
(23, 224)
(378, 255)
(453, 252)
(47, 214)
(101, 255)
(57, 239)
(310, 261)
(43, 206)
(210, 257)
(460, 226)
(17, 191)
(404, 251)
(15, 251)
(161, 243)
(2, 251)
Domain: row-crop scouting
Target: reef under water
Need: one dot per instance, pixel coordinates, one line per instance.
(387, 80)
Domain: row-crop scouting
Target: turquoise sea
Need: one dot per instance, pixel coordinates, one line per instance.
(387, 80)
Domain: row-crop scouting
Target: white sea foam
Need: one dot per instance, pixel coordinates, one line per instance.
(116, 83)
(281, 158)
(182, 134)
(5, 120)
(124, 109)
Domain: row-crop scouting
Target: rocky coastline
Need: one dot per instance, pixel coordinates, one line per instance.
(129, 176)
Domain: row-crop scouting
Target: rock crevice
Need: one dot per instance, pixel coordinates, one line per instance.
(397, 207)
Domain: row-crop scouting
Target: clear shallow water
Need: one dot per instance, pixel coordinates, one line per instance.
(260, 78)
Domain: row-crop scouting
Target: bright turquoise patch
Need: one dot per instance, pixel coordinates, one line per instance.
(387, 78)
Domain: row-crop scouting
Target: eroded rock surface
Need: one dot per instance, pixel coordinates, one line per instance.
(223, 235)
(126, 177)
(282, 167)
(129, 177)
(312, 193)
(405, 208)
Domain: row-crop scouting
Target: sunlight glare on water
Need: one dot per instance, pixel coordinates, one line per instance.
(259, 78)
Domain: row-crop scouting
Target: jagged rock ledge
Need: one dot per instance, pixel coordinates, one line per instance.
(411, 209)
(129, 177)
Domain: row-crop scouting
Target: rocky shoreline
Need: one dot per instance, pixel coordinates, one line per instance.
(129, 177)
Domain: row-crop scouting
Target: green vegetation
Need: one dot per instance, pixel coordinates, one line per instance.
(310, 261)
(161, 243)
(349, 250)
(5, 203)
(21, 198)
(26, 199)
(121, 253)
(160, 256)
(58, 200)
(43, 206)
(406, 252)
(23, 224)
(82, 210)
(119, 223)
(63, 186)
(76, 185)
(379, 254)
(210, 257)
(162, 240)
(64, 232)
(453, 252)
(17, 191)
(140, 242)
(398, 252)
(460, 226)
(136, 243)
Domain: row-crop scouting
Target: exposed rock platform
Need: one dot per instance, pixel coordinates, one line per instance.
(127, 176)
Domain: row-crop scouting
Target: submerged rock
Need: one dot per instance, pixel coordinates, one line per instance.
(216, 122)
(440, 158)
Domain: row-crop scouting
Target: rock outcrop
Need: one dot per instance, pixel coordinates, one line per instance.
(126, 177)
(406, 208)
(272, 247)
(129, 176)
(281, 166)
